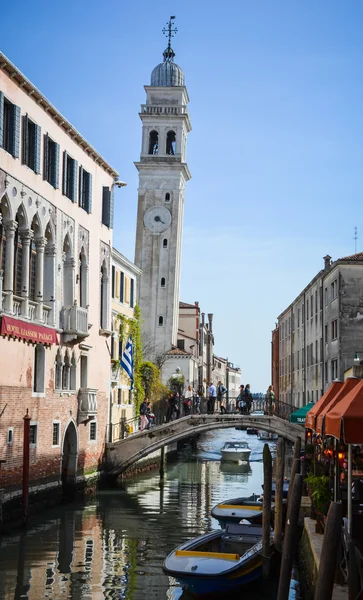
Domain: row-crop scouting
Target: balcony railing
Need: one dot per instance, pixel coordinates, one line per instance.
(74, 320)
(150, 109)
(87, 404)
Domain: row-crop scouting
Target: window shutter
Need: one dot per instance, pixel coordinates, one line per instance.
(132, 291)
(80, 187)
(46, 155)
(89, 194)
(113, 281)
(16, 131)
(122, 285)
(1, 120)
(64, 190)
(37, 149)
(25, 140)
(106, 206)
(74, 180)
(111, 206)
(56, 166)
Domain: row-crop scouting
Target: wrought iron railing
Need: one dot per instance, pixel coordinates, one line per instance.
(127, 427)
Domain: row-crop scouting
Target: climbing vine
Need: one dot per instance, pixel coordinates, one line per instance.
(132, 327)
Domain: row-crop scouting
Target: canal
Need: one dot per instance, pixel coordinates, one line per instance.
(114, 545)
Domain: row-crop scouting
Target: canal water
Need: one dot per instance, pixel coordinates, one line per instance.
(114, 545)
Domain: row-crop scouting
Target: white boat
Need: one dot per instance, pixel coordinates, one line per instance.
(265, 435)
(235, 451)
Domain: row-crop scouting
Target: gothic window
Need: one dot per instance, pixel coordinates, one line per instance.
(73, 381)
(49, 270)
(18, 256)
(66, 372)
(82, 279)
(58, 370)
(161, 321)
(32, 259)
(153, 142)
(165, 243)
(171, 143)
(167, 197)
(2, 242)
(68, 271)
(104, 292)
(162, 282)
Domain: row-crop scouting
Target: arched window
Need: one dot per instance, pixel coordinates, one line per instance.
(2, 242)
(32, 269)
(162, 282)
(104, 292)
(18, 260)
(165, 243)
(68, 273)
(167, 197)
(66, 372)
(161, 321)
(171, 143)
(154, 142)
(82, 279)
(58, 370)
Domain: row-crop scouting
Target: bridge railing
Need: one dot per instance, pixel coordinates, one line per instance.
(127, 427)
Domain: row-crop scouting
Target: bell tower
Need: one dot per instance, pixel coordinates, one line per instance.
(163, 173)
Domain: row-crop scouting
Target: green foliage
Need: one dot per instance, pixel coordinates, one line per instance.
(319, 489)
(151, 382)
(132, 327)
(176, 383)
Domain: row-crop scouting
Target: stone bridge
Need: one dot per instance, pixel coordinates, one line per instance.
(122, 454)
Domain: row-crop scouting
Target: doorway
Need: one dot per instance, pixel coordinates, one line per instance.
(70, 456)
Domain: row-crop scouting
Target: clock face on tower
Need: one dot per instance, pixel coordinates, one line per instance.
(157, 219)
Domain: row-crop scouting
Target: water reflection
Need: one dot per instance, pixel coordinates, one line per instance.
(114, 546)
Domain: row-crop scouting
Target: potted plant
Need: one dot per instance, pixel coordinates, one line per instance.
(319, 492)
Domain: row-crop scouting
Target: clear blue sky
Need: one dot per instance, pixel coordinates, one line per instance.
(276, 150)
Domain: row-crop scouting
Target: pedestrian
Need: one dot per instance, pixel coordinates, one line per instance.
(187, 401)
(221, 392)
(196, 399)
(248, 398)
(144, 421)
(240, 397)
(172, 406)
(150, 415)
(212, 395)
(270, 401)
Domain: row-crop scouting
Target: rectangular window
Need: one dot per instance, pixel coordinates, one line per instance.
(31, 144)
(316, 352)
(132, 293)
(311, 306)
(326, 371)
(298, 360)
(93, 431)
(9, 126)
(107, 207)
(10, 436)
(33, 434)
(326, 333)
(113, 281)
(334, 369)
(70, 172)
(127, 290)
(321, 298)
(51, 162)
(316, 301)
(119, 396)
(180, 344)
(326, 296)
(85, 190)
(56, 433)
(122, 286)
(307, 310)
(334, 290)
(39, 369)
(334, 329)
(302, 314)
(84, 371)
(298, 317)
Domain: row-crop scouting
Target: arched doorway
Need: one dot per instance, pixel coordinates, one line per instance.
(69, 456)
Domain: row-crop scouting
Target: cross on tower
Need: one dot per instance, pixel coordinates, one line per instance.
(169, 32)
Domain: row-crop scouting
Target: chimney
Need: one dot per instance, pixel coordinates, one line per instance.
(327, 262)
(210, 319)
(203, 322)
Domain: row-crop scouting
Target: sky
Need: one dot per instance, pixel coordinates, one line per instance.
(276, 152)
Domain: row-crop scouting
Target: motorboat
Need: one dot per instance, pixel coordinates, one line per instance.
(235, 451)
(265, 435)
(218, 562)
(236, 509)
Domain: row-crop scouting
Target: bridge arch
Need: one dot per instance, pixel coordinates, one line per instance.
(122, 454)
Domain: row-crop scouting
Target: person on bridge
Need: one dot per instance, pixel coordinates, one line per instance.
(270, 401)
(187, 400)
(173, 407)
(248, 398)
(221, 392)
(212, 395)
(144, 421)
(240, 402)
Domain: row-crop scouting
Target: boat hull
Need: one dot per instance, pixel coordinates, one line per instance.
(236, 509)
(210, 587)
(235, 455)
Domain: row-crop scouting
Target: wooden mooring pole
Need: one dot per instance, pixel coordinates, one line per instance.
(290, 537)
(162, 463)
(266, 517)
(279, 479)
(329, 553)
(295, 470)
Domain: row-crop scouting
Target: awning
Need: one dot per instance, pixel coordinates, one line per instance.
(321, 404)
(28, 331)
(299, 415)
(347, 386)
(345, 419)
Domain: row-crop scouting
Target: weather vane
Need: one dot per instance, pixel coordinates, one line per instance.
(170, 32)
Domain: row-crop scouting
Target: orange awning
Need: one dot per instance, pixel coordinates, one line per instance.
(347, 386)
(321, 404)
(346, 417)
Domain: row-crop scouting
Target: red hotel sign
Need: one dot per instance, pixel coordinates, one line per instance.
(28, 331)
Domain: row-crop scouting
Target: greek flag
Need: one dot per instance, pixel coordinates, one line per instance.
(127, 362)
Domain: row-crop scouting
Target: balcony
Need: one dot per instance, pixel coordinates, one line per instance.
(151, 109)
(87, 404)
(74, 321)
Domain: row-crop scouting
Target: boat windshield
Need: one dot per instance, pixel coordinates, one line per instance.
(236, 445)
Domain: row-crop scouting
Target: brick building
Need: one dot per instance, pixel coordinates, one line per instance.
(275, 380)
(321, 331)
(56, 211)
